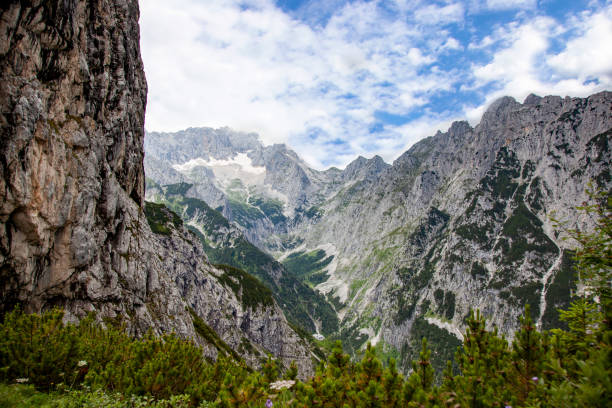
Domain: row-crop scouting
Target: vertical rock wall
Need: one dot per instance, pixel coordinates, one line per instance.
(72, 101)
(73, 233)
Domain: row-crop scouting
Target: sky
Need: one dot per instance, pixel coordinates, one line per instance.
(334, 79)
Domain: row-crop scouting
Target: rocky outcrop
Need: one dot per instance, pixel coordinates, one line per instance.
(72, 97)
(73, 233)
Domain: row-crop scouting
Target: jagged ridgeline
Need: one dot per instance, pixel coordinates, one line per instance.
(460, 221)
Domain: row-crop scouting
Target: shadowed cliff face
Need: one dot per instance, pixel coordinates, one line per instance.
(72, 101)
(73, 232)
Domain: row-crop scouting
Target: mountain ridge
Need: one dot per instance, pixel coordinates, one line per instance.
(467, 196)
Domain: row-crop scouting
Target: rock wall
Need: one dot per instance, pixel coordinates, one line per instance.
(73, 233)
(72, 102)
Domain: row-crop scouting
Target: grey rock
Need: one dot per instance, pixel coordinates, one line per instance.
(460, 221)
(73, 233)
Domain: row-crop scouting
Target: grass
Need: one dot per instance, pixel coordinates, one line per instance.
(26, 396)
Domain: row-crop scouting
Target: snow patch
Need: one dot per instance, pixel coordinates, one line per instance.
(241, 160)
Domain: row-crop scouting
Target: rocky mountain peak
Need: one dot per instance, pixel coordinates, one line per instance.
(499, 113)
(459, 128)
(532, 99)
(362, 168)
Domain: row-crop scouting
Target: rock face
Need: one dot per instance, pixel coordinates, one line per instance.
(73, 232)
(458, 222)
(462, 220)
(73, 95)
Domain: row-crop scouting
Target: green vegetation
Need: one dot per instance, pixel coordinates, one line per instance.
(529, 294)
(22, 396)
(524, 233)
(534, 199)
(159, 218)
(300, 303)
(273, 209)
(150, 183)
(557, 368)
(178, 189)
(306, 265)
(445, 303)
(443, 345)
(499, 180)
(475, 233)
(352, 338)
(478, 271)
(52, 356)
(600, 144)
(243, 213)
(246, 287)
(568, 367)
(313, 212)
(211, 337)
(559, 292)
(413, 282)
(528, 169)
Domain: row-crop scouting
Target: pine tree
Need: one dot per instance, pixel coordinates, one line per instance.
(484, 364)
(528, 356)
(369, 375)
(392, 384)
(418, 387)
(292, 372)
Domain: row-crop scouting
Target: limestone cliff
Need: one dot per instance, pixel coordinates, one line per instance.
(73, 232)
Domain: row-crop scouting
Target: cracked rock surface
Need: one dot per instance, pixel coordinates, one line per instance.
(73, 233)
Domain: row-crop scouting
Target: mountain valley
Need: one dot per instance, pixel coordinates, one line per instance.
(460, 221)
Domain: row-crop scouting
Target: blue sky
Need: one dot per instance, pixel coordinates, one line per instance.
(334, 79)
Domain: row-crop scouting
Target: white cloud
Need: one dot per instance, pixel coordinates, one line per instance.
(590, 54)
(518, 64)
(527, 65)
(451, 44)
(311, 82)
(434, 14)
(510, 4)
(258, 69)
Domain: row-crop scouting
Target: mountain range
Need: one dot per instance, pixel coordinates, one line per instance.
(460, 221)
